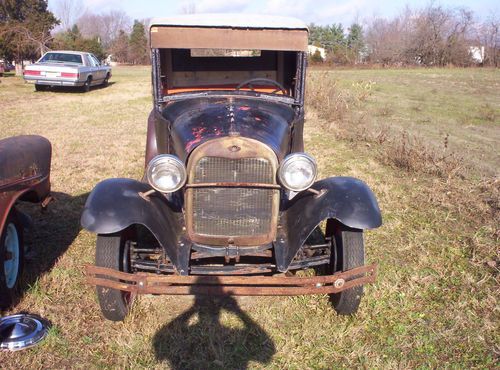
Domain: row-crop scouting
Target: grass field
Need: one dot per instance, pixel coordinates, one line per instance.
(435, 303)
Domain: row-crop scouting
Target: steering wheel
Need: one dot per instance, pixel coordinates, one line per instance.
(250, 82)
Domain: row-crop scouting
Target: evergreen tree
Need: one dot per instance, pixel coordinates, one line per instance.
(138, 44)
(355, 42)
(25, 27)
(73, 40)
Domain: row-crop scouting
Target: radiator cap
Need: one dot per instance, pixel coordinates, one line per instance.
(21, 331)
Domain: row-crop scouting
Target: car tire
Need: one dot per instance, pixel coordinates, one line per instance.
(112, 251)
(86, 85)
(11, 259)
(348, 252)
(106, 80)
(39, 87)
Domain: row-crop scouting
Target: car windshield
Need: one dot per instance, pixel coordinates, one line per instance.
(61, 58)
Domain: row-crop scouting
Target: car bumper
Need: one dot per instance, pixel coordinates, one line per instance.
(150, 283)
(53, 82)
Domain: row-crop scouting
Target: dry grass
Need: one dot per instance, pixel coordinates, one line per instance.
(435, 303)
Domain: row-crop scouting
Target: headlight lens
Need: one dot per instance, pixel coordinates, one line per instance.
(166, 173)
(297, 172)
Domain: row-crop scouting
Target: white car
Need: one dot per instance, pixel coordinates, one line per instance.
(67, 68)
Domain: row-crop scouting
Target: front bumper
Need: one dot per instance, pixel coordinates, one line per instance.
(53, 82)
(149, 283)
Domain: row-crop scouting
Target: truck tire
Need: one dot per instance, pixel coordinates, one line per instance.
(348, 252)
(112, 252)
(11, 259)
(39, 87)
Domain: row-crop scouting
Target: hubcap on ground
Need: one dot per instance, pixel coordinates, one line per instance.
(11, 263)
(21, 331)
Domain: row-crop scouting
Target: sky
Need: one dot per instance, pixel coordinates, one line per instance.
(317, 11)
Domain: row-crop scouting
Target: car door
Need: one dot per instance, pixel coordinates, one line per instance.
(99, 71)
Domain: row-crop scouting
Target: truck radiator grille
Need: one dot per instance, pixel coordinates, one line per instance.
(232, 211)
(217, 169)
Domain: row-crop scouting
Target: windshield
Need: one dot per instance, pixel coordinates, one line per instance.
(61, 58)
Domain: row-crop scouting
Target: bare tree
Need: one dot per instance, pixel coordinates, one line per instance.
(106, 26)
(112, 23)
(488, 35)
(388, 40)
(433, 36)
(68, 12)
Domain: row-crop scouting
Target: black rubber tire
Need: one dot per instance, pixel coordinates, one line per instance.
(40, 87)
(106, 80)
(8, 295)
(348, 252)
(86, 85)
(110, 250)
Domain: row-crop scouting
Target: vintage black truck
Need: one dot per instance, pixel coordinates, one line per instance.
(229, 202)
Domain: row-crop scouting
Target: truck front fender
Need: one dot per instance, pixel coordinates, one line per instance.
(116, 204)
(346, 199)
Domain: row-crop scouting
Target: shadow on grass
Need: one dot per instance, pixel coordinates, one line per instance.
(51, 234)
(197, 339)
(73, 89)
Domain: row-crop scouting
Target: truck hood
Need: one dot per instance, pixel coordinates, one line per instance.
(197, 120)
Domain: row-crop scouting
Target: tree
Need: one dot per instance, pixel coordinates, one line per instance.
(138, 45)
(432, 36)
(119, 48)
(73, 40)
(331, 38)
(25, 27)
(106, 26)
(488, 35)
(355, 43)
(68, 11)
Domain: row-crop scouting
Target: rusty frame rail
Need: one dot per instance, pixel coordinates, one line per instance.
(149, 283)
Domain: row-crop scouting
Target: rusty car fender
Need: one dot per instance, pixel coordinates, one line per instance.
(24, 171)
(116, 204)
(345, 199)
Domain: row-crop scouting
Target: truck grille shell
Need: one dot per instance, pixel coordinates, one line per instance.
(234, 207)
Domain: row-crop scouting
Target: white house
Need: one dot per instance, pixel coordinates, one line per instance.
(477, 53)
(311, 50)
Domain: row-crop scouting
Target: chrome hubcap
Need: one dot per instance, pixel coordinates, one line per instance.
(11, 263)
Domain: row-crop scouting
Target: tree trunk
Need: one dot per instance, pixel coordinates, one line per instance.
(19, 68)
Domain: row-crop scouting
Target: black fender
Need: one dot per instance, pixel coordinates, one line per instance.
(116, 204)
(346, 199)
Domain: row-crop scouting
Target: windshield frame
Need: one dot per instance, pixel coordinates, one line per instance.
(160, 98)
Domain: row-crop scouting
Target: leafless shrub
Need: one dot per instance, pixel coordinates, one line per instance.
(363, 90)
(413, 155)
(326, 98)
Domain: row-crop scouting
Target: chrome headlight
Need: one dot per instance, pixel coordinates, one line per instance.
(166, 173)
(297, 172)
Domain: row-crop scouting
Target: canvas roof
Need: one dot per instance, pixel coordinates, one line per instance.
(258, 21)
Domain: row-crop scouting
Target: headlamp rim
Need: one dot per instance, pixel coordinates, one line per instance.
(290, 158)
(172, 159)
